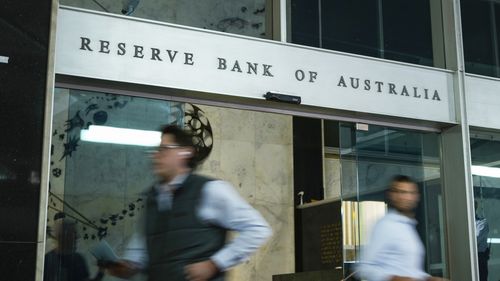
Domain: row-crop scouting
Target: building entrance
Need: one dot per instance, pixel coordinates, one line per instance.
(285, 167)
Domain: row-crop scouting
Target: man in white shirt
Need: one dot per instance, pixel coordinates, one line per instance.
(483, 249)
(395, 251)
(187, 217)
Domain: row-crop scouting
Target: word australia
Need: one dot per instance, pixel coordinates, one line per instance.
(388, 88)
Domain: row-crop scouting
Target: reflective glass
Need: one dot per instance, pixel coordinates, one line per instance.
(244, 17)
(320, 194)
(390, 29)
(480, 36)
(98, 181)
(304, 22)
(485, 154)
(370, 157)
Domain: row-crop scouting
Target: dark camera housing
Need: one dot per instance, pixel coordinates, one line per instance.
(274, 96)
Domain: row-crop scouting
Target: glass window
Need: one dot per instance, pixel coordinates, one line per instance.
(391, 29)
(299, 174)
(370, 156)
(101, 168)
(485, 154)
(240, 17)
(347, 28)
(480, 36)
(305, 22)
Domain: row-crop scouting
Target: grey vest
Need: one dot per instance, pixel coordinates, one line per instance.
(177, 237)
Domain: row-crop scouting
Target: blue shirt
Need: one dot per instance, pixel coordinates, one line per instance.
(220, 205)
(394, 249)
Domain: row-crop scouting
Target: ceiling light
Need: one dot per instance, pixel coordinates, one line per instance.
(485, 171)
(105, 134)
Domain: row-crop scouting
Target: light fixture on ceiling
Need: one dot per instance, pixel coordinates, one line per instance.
(106, 134)
(493, 241)
(485, 171)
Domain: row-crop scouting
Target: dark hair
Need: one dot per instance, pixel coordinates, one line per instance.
(399, 179)
(182, 138)
(394, 181)
(64, 227)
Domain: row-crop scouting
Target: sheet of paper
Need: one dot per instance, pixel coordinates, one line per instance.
(103, 252)
(4, 59)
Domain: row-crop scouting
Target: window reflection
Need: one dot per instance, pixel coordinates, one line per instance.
(480, 22)
(238, 17)
(390, 29)
(369, 158)
(100, 183)
(485, 153)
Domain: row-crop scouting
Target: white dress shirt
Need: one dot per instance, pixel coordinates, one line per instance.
(394, 249)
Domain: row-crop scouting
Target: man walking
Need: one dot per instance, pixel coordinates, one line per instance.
(186, 221)
(395, 251)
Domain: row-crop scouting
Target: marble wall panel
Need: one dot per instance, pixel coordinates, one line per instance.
(275, 130)
(332, 178)
(277, 256)
(274, 180)
(253, 151)
(238, 166)
(237, 125)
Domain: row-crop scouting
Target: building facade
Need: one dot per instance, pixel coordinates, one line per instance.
(307, 107)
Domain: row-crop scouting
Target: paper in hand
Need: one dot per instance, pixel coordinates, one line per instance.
(103, 252)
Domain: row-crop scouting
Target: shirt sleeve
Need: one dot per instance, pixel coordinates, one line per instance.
(370, 266)
(223, 206)
(135, 250)
(379, 260)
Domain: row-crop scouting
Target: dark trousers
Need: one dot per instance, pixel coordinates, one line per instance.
(483, 265)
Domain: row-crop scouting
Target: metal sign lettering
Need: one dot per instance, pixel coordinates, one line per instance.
(111, 47)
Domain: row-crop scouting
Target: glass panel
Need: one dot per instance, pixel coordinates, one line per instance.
(479, 38)
(485, 153)
(407, 31)
(305, 22)
(101, 185)
(391, 29)
(370, 156)
(244, 17)
(350, 26)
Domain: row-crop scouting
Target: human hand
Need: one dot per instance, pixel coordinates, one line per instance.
(201, 271)
(432, 278)
(402, 278)
(122, 269)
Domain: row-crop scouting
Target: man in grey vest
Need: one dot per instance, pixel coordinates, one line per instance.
(186, 221)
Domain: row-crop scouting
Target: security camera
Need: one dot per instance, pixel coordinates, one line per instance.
(276, 96)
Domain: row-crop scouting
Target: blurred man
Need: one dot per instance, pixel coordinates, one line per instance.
(64, 263)
(483, 249)
(187, 217)
(395, 251)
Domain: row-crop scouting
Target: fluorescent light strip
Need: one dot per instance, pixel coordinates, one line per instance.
(494, 240)
(105, 134)
(486, 171)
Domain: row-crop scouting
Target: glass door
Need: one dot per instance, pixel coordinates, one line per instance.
(370, 156)
(101, 170)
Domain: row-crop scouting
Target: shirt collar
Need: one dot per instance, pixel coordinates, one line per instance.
(175, 183)
(397, 216)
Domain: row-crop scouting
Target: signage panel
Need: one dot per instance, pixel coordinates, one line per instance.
(483, 103)
(118, 48)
